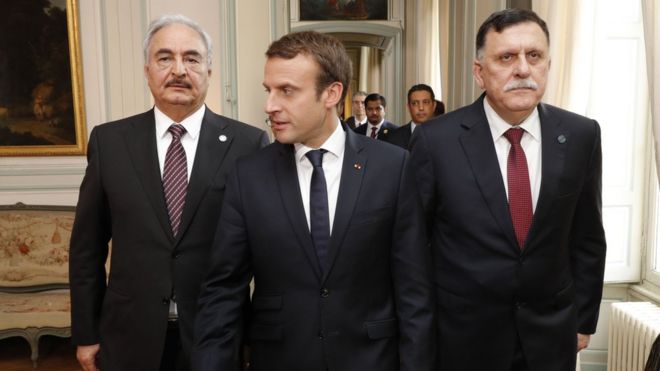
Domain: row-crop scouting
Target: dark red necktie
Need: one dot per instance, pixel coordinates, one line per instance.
(175, 177)
(520, 193)
(373, 131)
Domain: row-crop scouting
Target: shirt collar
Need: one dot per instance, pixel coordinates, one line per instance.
(532, 124)
(334, 144)
(192, 123)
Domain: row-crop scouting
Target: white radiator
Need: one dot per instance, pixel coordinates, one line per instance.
(634, 326)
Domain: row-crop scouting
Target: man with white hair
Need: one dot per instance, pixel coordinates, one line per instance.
(154, 185)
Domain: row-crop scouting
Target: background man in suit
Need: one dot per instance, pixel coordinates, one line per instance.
(516, 225)
(357, 107)
(154, 185)
(324, 221)
(377, 127)
(421, 105)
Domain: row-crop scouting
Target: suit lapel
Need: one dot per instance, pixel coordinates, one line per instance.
(477, 143)
(141, 143)
(209, 155)
(287, 180)
(352, 173)
(553, 151)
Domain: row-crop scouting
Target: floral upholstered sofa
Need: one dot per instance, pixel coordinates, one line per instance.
(34, 279)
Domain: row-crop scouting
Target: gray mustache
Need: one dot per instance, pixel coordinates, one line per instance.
(521, 84)
(183, 84)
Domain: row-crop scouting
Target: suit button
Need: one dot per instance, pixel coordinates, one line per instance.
(321, 335)
(166, 301)
(176, 255)
(325, 293)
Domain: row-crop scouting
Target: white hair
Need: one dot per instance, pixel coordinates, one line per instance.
(166, 20)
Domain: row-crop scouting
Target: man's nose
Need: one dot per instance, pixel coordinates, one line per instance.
(178, 67)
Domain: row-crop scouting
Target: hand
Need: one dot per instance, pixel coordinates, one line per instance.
(582, 341)
(86, 355)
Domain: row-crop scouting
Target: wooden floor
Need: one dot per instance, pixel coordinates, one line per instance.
(55, 354)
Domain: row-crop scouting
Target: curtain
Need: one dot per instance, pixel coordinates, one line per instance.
(651, 19)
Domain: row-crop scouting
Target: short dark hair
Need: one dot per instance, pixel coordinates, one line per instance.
(506, 18)
(375, 97)
(421, 87)
(439, 108)
(326, 50)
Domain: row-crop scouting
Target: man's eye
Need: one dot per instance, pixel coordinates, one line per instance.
(506, 57)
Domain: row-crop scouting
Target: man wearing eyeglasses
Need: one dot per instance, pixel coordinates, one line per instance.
(421, 104)
(154, 185)
(357, 107)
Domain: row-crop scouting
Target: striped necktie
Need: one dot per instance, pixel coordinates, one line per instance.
(175, 177)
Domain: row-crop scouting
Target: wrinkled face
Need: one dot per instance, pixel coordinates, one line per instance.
(358, 106)
(375, 112)
(421, 106)
(177, 68)
(296, 113)
(513, 69)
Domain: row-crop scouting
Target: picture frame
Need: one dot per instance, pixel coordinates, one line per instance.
(41, 96)
(34, 247)
(343, 10)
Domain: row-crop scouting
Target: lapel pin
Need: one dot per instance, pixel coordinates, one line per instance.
(223, 138)
(385, 131)
(357, 166)
(561, 139)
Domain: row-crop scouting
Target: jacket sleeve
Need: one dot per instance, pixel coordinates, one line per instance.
(89, 250)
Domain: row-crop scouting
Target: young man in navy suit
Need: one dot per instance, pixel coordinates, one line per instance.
(512, 195)
(325, 222)
(376, 127)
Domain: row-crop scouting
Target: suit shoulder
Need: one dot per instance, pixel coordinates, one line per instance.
(241, 127)
(380, 148)
(564, 115)
(125, 122)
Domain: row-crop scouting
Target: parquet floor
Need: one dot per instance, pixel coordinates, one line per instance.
(55, 354)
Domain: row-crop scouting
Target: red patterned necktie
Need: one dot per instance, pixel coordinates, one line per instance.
(520, 194)
(175, 177)
(373, 131)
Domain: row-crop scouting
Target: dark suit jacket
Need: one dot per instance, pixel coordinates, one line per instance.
(383, 132)
(489, 291)
(350, 122)
(400, 137)
(373, 307)
(121, 198)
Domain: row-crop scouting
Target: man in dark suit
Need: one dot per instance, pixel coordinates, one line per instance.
(357, 107)
(512, 194)
(377, 127)
(323, 221)
(421, 105)
(154, 185)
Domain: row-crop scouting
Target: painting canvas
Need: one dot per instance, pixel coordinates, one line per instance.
(41, 106)
(320, 10)
(34, 245)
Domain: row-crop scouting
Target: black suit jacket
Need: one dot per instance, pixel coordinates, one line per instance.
(385, 130)
(371, 309)
(350, 122)
(489, 291)
(400, 137)
(121, 198)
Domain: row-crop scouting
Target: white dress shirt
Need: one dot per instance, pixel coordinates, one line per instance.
(370, 125)
(530, 142)
(358, 123)
(193, 125)
(332, 163)
(413, 126)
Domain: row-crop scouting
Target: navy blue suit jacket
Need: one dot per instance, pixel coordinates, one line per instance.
(371, 309)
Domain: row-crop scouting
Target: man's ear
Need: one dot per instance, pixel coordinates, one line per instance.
(476, 73)
(333, 92)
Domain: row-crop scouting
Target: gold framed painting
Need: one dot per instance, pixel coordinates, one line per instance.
(41, 94)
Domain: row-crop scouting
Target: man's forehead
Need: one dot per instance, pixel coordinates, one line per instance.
(524, 32)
